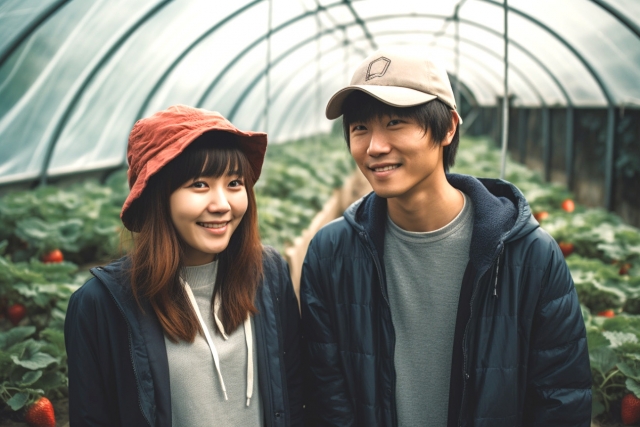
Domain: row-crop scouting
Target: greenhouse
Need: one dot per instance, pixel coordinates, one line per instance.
(548, 92)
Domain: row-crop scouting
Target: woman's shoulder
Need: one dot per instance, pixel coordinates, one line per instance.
(271, 255)
(104, 281)
(274, 267)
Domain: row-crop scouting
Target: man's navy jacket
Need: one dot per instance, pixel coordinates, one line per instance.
(520, 350)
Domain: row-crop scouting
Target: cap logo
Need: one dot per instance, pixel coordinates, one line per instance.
(378, 67)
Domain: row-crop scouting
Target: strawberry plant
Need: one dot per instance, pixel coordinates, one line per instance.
(298, 179)
(32, 364)
(82, 221)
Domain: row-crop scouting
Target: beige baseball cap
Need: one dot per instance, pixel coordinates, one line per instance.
(400, 79)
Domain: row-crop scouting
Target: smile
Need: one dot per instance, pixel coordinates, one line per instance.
(385, 168)
(212, 225)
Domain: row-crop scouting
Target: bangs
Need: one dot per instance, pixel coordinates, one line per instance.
(360, 107)
(213, 154)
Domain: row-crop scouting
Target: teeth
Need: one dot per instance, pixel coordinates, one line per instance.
(212, 225)
(386, 168)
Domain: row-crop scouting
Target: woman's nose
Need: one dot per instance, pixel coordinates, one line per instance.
(218, 201)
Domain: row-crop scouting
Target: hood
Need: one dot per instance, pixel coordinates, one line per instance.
(501, 214)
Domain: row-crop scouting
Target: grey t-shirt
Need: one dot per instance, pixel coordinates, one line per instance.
(424, 274)
(197, 399)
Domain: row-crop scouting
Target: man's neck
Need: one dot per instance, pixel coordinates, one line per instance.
(426, 209)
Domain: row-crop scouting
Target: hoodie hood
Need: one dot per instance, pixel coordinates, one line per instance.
(501, 214)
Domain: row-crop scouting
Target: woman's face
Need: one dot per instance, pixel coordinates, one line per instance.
(206, 211)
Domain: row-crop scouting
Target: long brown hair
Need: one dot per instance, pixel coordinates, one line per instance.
(158, 251)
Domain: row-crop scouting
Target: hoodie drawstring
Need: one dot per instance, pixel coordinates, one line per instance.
(248, 338)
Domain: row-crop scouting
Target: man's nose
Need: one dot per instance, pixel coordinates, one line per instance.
(378, 144)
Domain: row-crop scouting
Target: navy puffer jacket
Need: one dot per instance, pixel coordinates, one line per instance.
(118, 368)
(520, 351)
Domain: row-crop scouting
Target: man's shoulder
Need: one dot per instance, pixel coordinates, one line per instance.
(336, 236)
(536, 249)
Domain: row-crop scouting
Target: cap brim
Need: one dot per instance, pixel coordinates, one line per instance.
(392, 95)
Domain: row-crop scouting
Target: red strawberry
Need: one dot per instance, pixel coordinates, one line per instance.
(607, 313)
(54, 256)
(624, 269)
(40, 414)
(566, 248)
(568, 205)
(630, 410)
(15, 313)
(539, 216)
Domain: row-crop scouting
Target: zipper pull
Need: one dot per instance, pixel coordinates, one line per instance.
(495, 283)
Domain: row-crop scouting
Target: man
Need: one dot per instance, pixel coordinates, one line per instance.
(436, 300)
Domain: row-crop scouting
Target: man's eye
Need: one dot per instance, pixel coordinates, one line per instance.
(394, 122)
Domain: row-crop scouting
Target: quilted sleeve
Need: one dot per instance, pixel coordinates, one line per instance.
(559, 383)
(90, 403)
(328, 400)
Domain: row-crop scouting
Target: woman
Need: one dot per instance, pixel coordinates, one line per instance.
(199, 324)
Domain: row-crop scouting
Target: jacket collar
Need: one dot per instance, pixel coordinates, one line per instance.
(501, 213)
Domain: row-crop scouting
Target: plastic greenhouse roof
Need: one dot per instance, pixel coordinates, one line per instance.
(76, 75)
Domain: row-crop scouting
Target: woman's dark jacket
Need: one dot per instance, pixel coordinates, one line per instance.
(118, 369)
(520, 352)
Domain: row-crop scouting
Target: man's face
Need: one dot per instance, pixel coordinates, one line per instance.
(396, 155)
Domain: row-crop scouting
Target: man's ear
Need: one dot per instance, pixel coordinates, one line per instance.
(455, 120)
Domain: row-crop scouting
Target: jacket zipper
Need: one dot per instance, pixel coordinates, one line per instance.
(269, 418)
(466, 330)
(133, 365)
(283, 373)
(380, 279)
(495, 283)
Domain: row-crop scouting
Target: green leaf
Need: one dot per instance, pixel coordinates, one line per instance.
(15, 335)
(595, 340)
(619, 338)
(54, 337)
(597, 408)
(17, 401)
(52, 380)
(30, 377)
(32, 358)
(629, 371)
(603, 359)
(633, 386)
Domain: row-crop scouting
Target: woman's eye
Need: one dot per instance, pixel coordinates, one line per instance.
(236, 183)
(356, 128)
(199, 184)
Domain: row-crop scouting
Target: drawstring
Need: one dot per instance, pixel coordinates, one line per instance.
(248, 334)
(495, 283)
(249, 338)
(212, 347)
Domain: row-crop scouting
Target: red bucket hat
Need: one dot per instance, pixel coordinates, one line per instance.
(156, 140)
